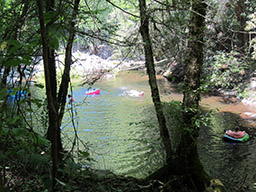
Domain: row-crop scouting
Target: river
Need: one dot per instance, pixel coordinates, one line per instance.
(122, 135)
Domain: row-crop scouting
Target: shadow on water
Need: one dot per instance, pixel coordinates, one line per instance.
(230, 162)
(123, 135)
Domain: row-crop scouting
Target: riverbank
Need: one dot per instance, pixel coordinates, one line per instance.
(86, 66)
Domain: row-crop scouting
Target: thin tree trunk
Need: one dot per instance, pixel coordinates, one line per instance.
(49, 63)
(242, 20)
(144, 30)
(56, 105)
(62, 95)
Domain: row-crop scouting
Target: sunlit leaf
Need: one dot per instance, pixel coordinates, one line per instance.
(60, 182)
(84, 154)
(4, 45)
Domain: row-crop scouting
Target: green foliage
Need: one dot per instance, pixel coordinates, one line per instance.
(251, 26)
(168, 29)
(22, 151)
(226, 70)
(175, 121)
(3, 93)
(25, 149)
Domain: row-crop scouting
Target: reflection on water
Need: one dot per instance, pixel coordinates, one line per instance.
(122, 131)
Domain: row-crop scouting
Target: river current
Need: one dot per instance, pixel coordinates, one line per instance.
(121, 131)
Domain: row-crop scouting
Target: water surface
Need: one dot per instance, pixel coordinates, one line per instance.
(122, 131)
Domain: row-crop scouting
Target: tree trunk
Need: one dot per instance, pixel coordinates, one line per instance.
(144, 30)
(53, 133)
(243, 37)
(62, 95)
(187, 149)
(56, 105)
(185, 169)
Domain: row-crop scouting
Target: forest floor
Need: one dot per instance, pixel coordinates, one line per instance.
(105, 181)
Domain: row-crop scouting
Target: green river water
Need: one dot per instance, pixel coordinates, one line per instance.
(122, 133)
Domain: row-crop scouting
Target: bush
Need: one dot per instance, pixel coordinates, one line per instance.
(226, 70)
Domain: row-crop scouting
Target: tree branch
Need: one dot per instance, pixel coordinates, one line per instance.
(122, 9)
(238, 189)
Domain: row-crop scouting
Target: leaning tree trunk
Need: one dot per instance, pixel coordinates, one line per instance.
(185, 169)
(187, 150)
(62, 95)
(144, 30)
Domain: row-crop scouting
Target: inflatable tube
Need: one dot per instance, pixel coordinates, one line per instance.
(242, 139)
(93, 92)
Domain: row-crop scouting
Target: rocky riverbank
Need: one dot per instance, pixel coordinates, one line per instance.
(88, 66)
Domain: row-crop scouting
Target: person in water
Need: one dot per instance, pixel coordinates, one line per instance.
(29, 99)
(70, 99)
(235, 134)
